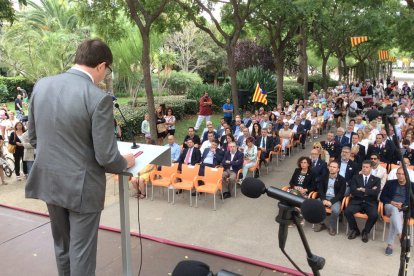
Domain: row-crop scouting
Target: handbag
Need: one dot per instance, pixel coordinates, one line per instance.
(12, 148)
(161, 128)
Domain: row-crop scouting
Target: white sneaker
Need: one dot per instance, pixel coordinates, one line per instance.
(19, 178)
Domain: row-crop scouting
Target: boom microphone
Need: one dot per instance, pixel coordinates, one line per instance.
(375, 113)
(312, 210)
(134, 144)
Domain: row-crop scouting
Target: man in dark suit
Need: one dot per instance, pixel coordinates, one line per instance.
(331, 191)
(69, 171)
(210, 129)
(347, 167)
(211, 157)
(232, 163)
(349, 131)
(241, 141)
(333, 148)
(194, 137)
(265, 144)
(360, 156)
(319, 167)
(364, 190)
(299, 129)
(190, 155)
(391, 141)
(385, 150)
(340, 138)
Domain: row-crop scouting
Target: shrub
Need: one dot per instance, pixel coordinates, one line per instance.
(4, 93)
(135, 115)
(218, 94)
(179, 83)
(292, 91)
(318, 81)
(12, 83)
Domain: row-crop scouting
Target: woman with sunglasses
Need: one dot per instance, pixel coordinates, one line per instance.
(323, 154)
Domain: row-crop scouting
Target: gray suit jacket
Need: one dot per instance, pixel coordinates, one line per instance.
(72, 128)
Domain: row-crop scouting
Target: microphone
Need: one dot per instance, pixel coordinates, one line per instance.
(375, 113)
(312, 210)
(134, 144)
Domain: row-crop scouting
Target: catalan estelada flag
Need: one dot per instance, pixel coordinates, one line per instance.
(259, 96)
(355, 40)
(383, 55)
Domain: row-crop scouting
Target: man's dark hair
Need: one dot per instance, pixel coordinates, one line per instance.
(367, 162)
(92, 52)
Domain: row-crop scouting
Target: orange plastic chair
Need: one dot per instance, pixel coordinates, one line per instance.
(162, 178)
(212, 183)
(237, 182)
(358, 215)
(276, 153)
(187, 177)
(315, 195)
(386, 219)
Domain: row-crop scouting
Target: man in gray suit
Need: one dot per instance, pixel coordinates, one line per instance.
(71, 126)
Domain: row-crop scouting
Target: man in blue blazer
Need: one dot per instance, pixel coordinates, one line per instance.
(232, 163)
(394, 196)
(319, 167)
(340, 137)
(212, 157)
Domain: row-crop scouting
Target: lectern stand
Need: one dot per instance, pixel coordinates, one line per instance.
(157, 155)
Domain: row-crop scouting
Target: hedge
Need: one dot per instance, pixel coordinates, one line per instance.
(12, 83)
(318, 82)
(135, 115)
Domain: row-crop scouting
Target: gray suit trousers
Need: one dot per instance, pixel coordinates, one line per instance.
(75, 238)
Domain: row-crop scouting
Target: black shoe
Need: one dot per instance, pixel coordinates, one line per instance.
(194, 193)
(226, 195)
(364, 236)
(256, 174)
(353, 234)
(179, 192)
(303, 146)
(319, 227)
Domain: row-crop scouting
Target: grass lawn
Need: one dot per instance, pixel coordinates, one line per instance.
(182, 126)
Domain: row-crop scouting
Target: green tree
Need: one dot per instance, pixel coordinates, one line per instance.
(234, 15)
(7, 12)
(280, 23)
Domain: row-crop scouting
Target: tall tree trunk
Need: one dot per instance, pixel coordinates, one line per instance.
(280, 72)
(146, 68)
(345, 70)
(324, 73)
(304, 56)
(340, 70)
(233, 78)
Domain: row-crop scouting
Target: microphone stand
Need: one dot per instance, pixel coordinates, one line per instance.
(287, 215)
(405, 237)
(134, 144)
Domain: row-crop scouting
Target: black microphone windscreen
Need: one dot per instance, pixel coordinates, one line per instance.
(191, 268)
(252, 187)
(313, 211)
(372, 114)
(116, 105)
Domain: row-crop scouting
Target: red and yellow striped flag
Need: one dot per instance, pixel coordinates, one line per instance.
(355, 40)
(383, 54)
(259, 96)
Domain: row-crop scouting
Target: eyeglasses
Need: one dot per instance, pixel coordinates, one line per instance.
(316, 147)
(109, 67)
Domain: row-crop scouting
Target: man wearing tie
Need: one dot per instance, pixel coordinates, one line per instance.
(232, 163)
(265, 144)
(190, 155)
(340, 138)
(360, 156)
(319, 167)
(385, 150)
(364, 190)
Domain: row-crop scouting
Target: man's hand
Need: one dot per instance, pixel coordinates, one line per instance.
(396, 204)
(130, 159)
(327, 203)
(361, 190)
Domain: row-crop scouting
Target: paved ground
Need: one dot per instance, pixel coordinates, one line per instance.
(241, 226)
